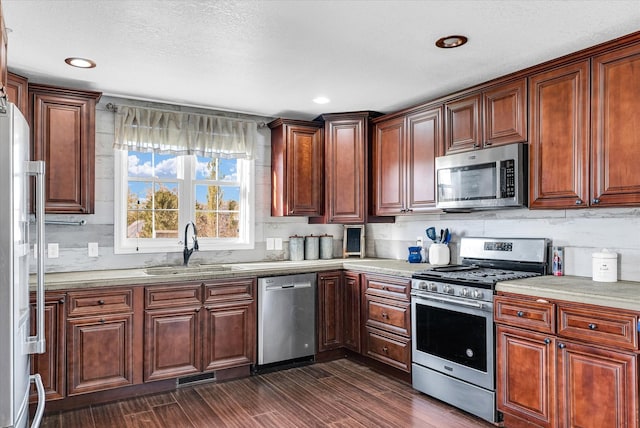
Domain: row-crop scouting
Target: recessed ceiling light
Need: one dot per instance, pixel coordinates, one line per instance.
(80, 62)
(321, 100)
(451, 41)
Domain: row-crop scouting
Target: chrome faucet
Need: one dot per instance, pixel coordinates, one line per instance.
(187, 252)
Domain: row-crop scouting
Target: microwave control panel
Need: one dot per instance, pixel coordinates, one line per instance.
(508, 172)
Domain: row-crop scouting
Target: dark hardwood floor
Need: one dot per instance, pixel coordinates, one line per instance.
(340, 393)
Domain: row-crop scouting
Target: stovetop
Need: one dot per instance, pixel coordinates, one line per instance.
(471, 275)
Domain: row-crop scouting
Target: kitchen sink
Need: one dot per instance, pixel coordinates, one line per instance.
(184, 270)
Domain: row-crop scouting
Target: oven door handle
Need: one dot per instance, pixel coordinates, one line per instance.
(471, 304)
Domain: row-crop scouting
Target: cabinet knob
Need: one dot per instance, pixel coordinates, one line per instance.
(595, 201)
(547, 341)
(385, 350)
(101, 302)
(61, 300)
(578, 201)
(561, 345)
(385, 315)
(592, 326)
(520, 313)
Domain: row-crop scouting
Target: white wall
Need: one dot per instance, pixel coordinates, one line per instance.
(581, 232)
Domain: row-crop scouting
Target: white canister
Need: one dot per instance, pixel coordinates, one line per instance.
(326, 247)
(311, 247)
(439, 254)
(605, 266)
(296, 248)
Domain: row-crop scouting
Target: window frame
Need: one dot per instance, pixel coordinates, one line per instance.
(186, 210)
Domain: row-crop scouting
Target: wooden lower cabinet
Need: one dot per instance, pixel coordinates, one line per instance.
(229, 335)
(351, 311)
(99, 353)
(391, 349)
(330, 314)
(51, 364)
(172, 343)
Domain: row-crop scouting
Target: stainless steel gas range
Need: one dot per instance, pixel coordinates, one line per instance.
(453, 344)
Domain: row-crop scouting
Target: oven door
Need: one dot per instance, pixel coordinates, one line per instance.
(454, 336)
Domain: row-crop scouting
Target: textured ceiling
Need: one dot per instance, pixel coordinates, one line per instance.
(273, 57)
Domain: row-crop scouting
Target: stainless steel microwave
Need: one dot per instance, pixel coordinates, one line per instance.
(490, 178)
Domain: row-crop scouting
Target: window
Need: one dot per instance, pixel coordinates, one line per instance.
(157, 195)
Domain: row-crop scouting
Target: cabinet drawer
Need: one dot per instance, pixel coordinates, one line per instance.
(99, 302)
(386, 286)
(389, 348)
(598, 326)
(535, 315)
(171, 296)
(389, 315)
(231, 289)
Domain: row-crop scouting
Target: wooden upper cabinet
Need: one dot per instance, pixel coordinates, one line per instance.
(505, 113)
(17, 93)
(3, 51)
(296, 168)
(462, 124)
(559, 137)
(615, 138)
(405, 149)
(346, 156)
(63, 132)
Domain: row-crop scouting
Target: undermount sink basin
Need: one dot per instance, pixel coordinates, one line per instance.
(183, 270)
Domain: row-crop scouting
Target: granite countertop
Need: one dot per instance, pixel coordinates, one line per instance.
(621, 294)
(164, 274)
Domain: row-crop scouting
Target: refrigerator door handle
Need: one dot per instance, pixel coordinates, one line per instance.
(36, 344)
(37, 418)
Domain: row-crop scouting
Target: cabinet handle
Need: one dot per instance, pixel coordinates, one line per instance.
(476, 145)
(520, 313)
(488, 143)
(578, 201)
(384, 288)
(102, 321)
(61, 300)
(561, 345)
(595, 201)
(409, 210)
(592, 326)
(547, 341)
(385, 315)
(101, 302)
(385, 350)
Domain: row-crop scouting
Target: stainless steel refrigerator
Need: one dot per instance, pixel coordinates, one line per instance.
(16, 343)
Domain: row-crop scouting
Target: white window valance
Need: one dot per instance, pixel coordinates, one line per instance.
(149, 130)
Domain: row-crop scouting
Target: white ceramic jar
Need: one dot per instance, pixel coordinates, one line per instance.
(605, 266)
(439, 254)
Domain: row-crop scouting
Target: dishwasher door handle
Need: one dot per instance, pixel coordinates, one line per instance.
(287, 286)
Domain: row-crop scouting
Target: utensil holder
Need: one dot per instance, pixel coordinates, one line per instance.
(439, 254)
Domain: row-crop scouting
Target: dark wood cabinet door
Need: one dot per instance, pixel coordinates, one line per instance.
(597, 388)
(505, 113)
(51, 364)
(3, 51)
(63, 134)
(329, 310)
(424, 144)
(525, 375)
(229, 335)
(351, 311)
(17, 93)
(389, 167)
(462, 124)
(559, 137)
(99, 353)
(391, 349)
(615, 139)
(346, 168)
(297, 168)
(172, 343)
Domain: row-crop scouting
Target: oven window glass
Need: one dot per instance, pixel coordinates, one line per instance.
(475, 182)
(453, 336)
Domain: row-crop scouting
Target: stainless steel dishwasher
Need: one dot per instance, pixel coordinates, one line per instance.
(286, 317)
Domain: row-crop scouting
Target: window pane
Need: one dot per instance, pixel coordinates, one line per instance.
(166, 166)
(140, 164)
(207, 224)
(228, 227)
(138, 194)
(228, 169)
(166, 224)
(205, 168)
(136, 222)
(166, 196)
(229, 198)
(207, 197)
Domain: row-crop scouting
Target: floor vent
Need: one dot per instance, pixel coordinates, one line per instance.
(195, 379)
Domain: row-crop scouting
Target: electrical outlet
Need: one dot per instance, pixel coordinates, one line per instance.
(52, 251)
(270, 244)
(92, 249)
(278, 244)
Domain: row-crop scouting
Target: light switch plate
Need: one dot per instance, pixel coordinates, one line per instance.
(52, 251)
(92, 249)
(278, 244)
(270, 244)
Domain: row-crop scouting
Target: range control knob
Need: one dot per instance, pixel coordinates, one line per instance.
(432, 286)
(477, 294)
(448, 289)
(422, 285)
(464, 292)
